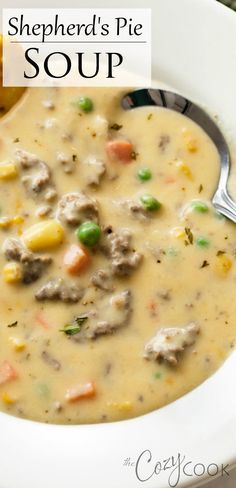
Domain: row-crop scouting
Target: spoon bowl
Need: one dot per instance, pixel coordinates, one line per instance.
(221, 200)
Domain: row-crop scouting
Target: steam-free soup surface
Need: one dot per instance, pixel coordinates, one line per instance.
(122, 298)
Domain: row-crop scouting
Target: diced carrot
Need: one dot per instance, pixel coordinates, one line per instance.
(7, 372)
(152, 306)
(120, 150)
(169, 381)
(76, 258)
(80, 391)
(170, 179)
(39, 317)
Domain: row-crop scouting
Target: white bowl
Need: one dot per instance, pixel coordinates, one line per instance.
(194, 52)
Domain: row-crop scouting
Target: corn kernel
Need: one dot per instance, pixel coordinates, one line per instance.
(7, 398)
(8, 171)
(223, 264)
(190, 141)
(12, 272)
(18, 219)
(5, 222)
(121, 407)
(192, 145)
(178, 232)
(44, 235)
(17, 343)
(184, 168)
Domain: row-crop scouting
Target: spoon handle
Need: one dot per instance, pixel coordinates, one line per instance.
(224, 204)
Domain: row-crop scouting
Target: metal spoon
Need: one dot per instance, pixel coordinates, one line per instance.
(221, 200)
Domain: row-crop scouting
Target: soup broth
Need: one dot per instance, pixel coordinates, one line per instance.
(117, 274)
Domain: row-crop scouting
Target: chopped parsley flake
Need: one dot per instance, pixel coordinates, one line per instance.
(75, 326)
(134, 155)
(157, 375)
(189, 235)
(220, 252)
(116, 126)
(14, 324)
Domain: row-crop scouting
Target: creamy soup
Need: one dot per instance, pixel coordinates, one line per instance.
(117, 274)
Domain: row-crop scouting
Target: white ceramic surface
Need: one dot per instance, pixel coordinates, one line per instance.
(194, 51)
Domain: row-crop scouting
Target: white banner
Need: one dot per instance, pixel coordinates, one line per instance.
(77, 47)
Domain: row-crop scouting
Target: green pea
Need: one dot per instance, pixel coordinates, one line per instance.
(144, 174)
(85, 104)
(157, 375)
(202, 242)
(150, 203)
(200, 207)
(172, 252)
(89, 233)
(42, 389)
